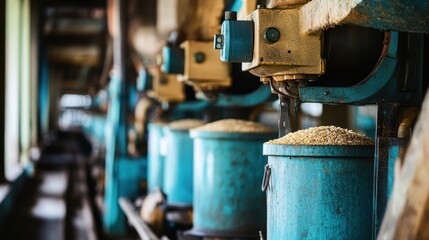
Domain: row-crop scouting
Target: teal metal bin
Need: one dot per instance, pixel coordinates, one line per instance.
(155, 158)
(178, 167)
(319, 192)
(227, 198)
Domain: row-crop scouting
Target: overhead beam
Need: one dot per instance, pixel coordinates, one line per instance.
(395, 15)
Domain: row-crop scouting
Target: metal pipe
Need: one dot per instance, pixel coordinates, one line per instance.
(408, 119)
(410, 116)
(120, 63)
(142, 229)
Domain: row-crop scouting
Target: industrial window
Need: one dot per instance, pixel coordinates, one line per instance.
(18, 90)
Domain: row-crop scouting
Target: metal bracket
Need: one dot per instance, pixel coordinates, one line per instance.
(381, 86)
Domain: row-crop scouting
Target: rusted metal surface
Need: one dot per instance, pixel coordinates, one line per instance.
(387, 82)
(319, 192)
(395, 15)
(406, 213)
(228, 172)
(293, 54)
(285, 3)
(202, 67)
(388, 120)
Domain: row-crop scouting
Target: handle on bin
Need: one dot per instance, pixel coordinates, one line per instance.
(266, 179)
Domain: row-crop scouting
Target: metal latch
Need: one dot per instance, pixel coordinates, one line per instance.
(266, 178)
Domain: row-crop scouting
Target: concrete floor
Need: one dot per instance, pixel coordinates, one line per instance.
(56, 204)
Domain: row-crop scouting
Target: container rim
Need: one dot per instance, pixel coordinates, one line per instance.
(202, 232)
(318, 150)
(232, 135)
(156, 124)
(167, 128)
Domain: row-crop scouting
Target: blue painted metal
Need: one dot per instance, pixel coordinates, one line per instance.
(122, 181)
(364, 92)
(320, 192)
(227, 176)
(194, 106)
(96, 127)
(101, 98)
(259, 96)
(384, 175)
(234, 5)
(116, 148)
(398, 79)
(236, 41)
(132, 96)
(155, 170)
(113, 219)
(178, 167)
(144, 80)
(173, 60)
(381, 86)
(99, 127)
(393, 154)
(44, 92)
(87, 125)
(117, 163)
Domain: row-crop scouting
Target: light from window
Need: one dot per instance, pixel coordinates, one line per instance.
(312, 109)
(75, 101)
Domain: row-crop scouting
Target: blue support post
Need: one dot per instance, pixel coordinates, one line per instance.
(43, 95)
(123, 173)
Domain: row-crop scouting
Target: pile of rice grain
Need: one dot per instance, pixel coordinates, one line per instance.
(185, 124)
(235, 126)
(324, 135)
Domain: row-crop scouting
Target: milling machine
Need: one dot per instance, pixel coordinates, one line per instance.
(332, 52)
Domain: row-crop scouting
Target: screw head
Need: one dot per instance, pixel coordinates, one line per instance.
(218, 41)
(199, 57)
(163, 80)
(271, 35)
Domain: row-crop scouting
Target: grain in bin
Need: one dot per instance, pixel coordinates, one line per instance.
(228, 165)
(319, 184)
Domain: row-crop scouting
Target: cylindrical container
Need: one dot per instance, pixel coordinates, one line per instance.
(95, 126)
(155, 167)
(178, 166)
(100, 126)
(228, 201)
(319, 192)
